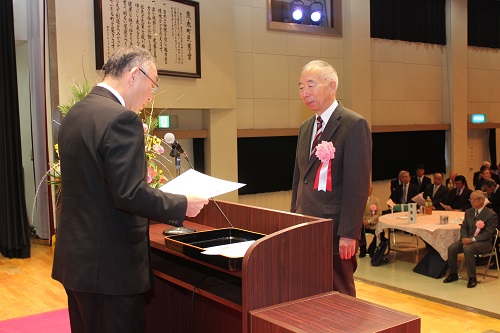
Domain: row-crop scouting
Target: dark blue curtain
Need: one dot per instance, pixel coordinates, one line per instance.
(483, 23)
(14, 223)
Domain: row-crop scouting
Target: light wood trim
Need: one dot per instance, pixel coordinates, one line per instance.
(182, 134)
(483, 126)
(410, 128)
(256, 133)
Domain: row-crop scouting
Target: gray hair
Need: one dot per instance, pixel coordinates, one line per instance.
(402, 173)
(489, 183)
(478, 194)
(327, 70)
(125, 59)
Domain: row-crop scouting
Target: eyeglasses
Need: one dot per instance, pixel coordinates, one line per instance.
(474, 199)
(150, 79)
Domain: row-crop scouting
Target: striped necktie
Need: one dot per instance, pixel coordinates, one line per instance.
(317, 137)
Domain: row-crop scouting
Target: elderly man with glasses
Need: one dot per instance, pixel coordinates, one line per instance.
(476, 234)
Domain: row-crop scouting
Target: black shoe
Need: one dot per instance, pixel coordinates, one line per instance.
(451, 278)
(362, 251)
(472, 282)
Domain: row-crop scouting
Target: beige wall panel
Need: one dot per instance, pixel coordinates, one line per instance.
(479, 89)
(387, 50)
(295, 65)
(494, 114)
(388, 81)
(304, 45)
(244, 113)
(243, 28)
(244, 75)
(388, 113)
(423, 82)
(298, 113)
(495, 86)
(259, 3)
(271, 42)
(425, 54)
(423, 112)
(331, 47)
(270, 76)
(337, 64)
(271, 113)
(478, 58)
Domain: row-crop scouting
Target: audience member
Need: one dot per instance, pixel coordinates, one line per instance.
(419, 179)
(458, 198)
(437, 192)
(476, 234)
(450, 181)
(405, 191)
(373, 211)
(485, 174)
(477, 174)
(395, 183)
(491, 188)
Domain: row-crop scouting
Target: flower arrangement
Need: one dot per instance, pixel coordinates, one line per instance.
(325, 152)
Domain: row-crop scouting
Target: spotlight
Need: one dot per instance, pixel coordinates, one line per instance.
(297, 9)
(316, 10)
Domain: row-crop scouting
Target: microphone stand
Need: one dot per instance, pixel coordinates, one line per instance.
(177, 230)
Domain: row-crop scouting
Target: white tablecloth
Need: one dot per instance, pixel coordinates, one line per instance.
(427, 227)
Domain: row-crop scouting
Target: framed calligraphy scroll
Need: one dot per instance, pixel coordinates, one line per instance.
(170, 29)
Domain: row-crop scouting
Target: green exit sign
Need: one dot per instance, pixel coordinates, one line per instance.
(163, 121)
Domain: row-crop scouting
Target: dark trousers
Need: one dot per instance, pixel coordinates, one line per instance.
(470, 261)
(95, 313)
(343, 275)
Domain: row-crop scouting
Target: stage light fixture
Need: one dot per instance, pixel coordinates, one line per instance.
(316, 10)
(297, 9)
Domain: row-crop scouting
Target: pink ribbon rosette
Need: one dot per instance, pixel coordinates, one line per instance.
(373, 208)
(325, 152)
(479, 226)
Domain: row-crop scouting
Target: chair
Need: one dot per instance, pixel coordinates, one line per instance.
(395, 243)
(489, 255)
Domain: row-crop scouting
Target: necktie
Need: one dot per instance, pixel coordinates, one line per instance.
(317, 137)
(477, 213)
(404, 194)
(434, 192)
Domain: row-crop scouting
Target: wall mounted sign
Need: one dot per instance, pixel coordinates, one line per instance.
(170, 29)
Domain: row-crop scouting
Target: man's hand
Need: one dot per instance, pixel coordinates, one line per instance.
(347, 247)
(194, 204)
(466, 241)
(367, 224)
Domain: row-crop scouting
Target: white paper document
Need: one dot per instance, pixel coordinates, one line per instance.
(419, 199)
(234, 250)
(194, 182)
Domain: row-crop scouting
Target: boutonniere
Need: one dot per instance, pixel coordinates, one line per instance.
(373, 209)
(479, 226)
(325, 152)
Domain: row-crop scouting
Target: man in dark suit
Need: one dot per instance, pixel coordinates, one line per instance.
(405, 191)
(342, 195)
(492, 189)
(476, 235)
(420, 179)
(436, 192)
(102, 251)
(458, 198)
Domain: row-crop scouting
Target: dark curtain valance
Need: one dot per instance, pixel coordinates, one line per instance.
(413, 21)
(14, 224)
(484, 23)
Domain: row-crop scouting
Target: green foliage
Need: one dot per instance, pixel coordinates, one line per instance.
(78, 92)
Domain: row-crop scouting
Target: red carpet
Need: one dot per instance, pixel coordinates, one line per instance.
(47, 322)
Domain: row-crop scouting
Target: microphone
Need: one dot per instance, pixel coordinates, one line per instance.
(170, 139)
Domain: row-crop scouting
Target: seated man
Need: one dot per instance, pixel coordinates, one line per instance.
(405, 191)
(458, 198)
(437, 192)
(476, 234)
(420, 179)
(491, 188)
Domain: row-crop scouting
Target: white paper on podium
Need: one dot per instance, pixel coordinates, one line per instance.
(234, 250)
(194, 182)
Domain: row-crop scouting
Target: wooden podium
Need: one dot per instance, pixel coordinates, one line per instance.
(294, 260)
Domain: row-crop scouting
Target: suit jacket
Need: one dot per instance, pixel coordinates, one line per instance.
(425, 181)
(439, 196)
(350, 173)
(485, 236)
(398, 193)
(103, 233)
(373, 216)
(456, 201)
(495, 201)
(394, 184)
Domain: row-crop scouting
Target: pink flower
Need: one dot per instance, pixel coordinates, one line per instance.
(149, 179)
(325, 151)
(480, 224)
(158, 148)
(373, 208)
(145, 127)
